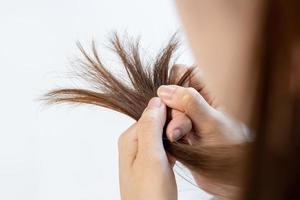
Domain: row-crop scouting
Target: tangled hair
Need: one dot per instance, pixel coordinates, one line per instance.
(131, 99)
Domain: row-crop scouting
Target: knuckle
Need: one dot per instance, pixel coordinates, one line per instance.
(190, 98)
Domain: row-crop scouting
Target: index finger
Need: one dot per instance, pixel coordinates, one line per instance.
(195, 81)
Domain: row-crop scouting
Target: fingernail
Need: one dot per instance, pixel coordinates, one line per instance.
(154, 103)
(166, 91)
(176, 134)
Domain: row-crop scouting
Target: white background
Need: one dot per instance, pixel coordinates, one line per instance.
(66, 152)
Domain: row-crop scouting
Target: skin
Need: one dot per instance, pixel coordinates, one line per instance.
(145, 172)
(211, 127)
(223, 36)
(145, 168)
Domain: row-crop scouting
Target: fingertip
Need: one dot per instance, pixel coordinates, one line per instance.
(165, 92)
(176, 134)
(179, 126)
(154, 102)
(158, 92)
(154, 113)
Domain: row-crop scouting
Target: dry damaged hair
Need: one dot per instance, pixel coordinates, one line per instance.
(131, 99)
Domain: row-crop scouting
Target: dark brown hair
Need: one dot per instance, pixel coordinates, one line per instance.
(132, 97)
(274, 172)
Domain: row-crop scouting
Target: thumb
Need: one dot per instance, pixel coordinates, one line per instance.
(151, 126)
(187, 100)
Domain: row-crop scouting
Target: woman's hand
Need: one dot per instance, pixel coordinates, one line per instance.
(195, 107)
(199, 123)
(144, 169)
(196, 119)
(191, 111)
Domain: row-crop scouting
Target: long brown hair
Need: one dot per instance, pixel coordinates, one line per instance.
(274, 170)
(130, 96)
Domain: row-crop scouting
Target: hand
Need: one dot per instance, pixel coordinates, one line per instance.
(196, 97)
(211, 128)
(190, 110)
(197, 121)
(144, 169)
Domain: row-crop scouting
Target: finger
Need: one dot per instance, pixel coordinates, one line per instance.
(179, 126)
(196, 81)
(127, 146)
(151, 126)
(187, 100)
